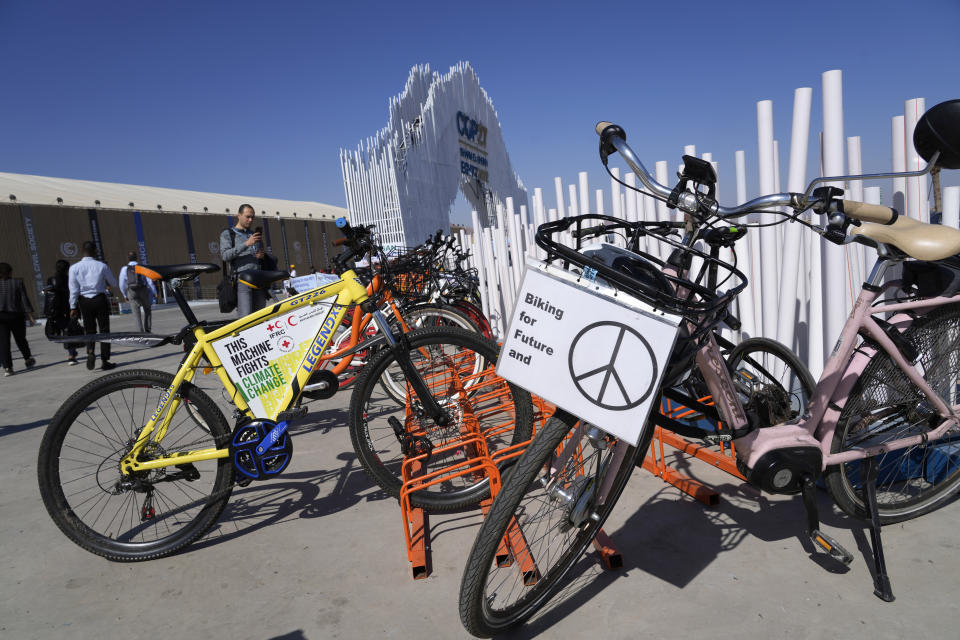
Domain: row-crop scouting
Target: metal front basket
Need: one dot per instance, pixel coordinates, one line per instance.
(645, 276)
(406, 273)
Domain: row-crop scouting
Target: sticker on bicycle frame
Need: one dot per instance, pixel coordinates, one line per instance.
(262, 360)
(583, 347)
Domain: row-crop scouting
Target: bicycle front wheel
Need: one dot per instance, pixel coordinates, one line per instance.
(148, 514)
(458, 368)
(422, 316)
(771, 379)
(546, 517)
(885, 405)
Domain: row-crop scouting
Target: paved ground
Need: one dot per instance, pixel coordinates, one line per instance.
(319, 553)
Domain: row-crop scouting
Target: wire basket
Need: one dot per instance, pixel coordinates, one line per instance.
(645, 276)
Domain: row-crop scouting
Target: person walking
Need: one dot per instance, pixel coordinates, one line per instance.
(15, 308)
(242, 249)
(139, 292)
(56, 308)
(89, 280)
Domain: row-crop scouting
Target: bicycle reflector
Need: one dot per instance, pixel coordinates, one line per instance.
(261, 449)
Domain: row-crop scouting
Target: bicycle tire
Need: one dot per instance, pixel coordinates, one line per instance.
(432, 351)
(423, 315)
(476, 317)
(785, 394)
(79, 476)
(884, 405)
(522, 498)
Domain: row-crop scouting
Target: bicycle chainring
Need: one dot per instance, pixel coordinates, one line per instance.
(260, 449)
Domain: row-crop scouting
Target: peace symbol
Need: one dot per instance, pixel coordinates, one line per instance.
(598, 355)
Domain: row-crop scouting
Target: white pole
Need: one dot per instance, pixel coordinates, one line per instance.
(796, 179)
(663, 178)
(538, 219)
(480, 264)
(600, 201)
(777, 230)
(768, 249)
(584, 193)
(517, 253)
(855, 192)
(558, 188)
(493, 280)
(516, 250)
(662, 249)
(615, 209)
(503, 267)
(745, 250)
(917, 206)
(573, 210)
(899, 164)
(631, 200)
(951, 207)
(834, 267)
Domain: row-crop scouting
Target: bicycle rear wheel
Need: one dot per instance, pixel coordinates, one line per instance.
(885, 405)
(148, 514)
(458, 368)
(547, 518)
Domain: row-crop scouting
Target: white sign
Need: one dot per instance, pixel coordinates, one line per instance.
(303, 284)
(262, 360)
(580, 345)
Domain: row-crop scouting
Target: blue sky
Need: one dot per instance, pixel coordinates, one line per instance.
(258, 98)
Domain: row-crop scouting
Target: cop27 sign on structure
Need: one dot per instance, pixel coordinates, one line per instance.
(473, 148)
(443, 137)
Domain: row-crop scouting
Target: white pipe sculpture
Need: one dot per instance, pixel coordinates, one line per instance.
(400, 178)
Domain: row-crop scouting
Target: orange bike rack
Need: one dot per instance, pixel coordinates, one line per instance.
(655, 463)
(480, 461)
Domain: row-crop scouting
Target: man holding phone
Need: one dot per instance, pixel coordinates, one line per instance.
(241, 247)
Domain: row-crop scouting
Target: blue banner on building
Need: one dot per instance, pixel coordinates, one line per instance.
(141, 241)
(95, 232)
(32, 247)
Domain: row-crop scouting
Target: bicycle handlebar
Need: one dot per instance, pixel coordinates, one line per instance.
(614, 139)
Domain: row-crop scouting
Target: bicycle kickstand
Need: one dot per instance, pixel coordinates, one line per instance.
(881, 581)
(808, 489)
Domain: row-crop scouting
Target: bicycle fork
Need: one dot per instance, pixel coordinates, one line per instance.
(400, 345)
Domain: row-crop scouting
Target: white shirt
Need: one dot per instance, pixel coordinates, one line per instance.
(124, 282)
(88, 278)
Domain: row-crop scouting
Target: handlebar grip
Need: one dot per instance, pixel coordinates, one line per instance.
(339, 241)
(603, 125)
(868, 212)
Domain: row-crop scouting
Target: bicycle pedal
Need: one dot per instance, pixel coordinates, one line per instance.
(291, 414)
(830, 546)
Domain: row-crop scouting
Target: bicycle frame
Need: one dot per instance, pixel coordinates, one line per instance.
(840, 374)
(816, 429)
(348, 291)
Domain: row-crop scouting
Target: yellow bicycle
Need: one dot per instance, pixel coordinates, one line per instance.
(138, 464)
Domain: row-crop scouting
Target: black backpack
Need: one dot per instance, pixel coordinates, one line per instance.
(55, 300)
(138, 284)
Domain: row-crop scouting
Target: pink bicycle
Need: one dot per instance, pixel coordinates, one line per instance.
(882, 429)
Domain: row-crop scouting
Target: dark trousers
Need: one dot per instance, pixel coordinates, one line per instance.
(12, 322)
(95, 312)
